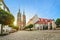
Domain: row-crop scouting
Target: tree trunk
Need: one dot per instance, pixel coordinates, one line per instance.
(2, 29)
(30, 29)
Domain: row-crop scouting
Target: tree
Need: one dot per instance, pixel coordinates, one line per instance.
(6, 18)
(30, 26)
(15, 27)
(26, 27)
(58, 22)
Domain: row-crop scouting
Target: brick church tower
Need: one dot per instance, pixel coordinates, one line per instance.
(24, 19)
(21, 20)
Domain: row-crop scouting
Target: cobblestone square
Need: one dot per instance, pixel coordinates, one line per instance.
(33, 35)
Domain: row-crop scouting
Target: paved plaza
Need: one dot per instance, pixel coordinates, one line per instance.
(33, 35)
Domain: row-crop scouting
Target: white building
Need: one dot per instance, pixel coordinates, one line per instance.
(3, 6)
(33, 20)
(53, 25)
(42, 23)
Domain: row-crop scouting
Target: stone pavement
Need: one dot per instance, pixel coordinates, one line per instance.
(33, 35)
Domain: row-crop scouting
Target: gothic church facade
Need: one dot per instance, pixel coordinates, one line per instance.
(21, 20)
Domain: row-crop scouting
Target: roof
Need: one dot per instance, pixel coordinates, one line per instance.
(43, 21)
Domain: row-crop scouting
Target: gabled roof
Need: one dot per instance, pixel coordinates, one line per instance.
(33, 20)
(43, 21)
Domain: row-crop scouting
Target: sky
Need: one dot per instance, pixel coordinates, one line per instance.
(49, 9)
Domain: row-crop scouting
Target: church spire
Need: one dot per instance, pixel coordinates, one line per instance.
(24, 18)
(19, 19)
(23, 12)
(19, 10)
(19, 13)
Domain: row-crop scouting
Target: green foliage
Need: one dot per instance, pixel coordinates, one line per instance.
(15, 27)
(25, 27)
(6, 18)
(58, 22)
(29, 26)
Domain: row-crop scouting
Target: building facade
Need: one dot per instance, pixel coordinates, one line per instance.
(34, 19)
(42, 23)
(3, 6)
(21, 20)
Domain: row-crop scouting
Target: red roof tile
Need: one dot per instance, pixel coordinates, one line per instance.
(43, 21)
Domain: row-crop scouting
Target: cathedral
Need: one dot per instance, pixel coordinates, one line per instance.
(21, 20)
